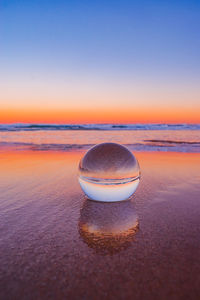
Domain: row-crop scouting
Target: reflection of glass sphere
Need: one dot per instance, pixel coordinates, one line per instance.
(108, 228)
(109, 172)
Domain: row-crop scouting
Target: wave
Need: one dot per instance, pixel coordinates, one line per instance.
(173, 142)
(43, 147)
(147, 145)
(47, 127)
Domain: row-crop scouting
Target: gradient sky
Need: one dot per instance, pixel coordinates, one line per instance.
(99, 61)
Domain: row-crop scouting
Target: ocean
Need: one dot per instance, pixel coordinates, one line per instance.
(138, 137)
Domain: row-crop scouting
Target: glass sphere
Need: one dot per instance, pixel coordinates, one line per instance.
(109, 172)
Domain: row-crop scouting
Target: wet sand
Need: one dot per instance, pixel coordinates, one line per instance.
(56, 244)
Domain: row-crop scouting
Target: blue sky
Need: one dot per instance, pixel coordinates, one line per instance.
(148, 37)
(150, 42)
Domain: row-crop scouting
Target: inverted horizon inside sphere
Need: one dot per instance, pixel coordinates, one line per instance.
(109, 160)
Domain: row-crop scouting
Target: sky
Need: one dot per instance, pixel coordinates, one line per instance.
(99, 61)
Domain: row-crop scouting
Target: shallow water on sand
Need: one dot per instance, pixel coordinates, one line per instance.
(137, 140)
(57, 244)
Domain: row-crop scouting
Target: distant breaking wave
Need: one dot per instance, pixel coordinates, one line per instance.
(48, 127)
(146, 145)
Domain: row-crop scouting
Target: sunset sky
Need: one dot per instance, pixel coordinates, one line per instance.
(99, 61)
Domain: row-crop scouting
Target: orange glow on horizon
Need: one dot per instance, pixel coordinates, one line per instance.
(13, 161)
(130, 115)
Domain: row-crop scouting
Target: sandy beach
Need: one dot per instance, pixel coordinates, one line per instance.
(57, 244)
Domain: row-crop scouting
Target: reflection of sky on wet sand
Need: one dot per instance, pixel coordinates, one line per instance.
(44, 247)
(108, 228)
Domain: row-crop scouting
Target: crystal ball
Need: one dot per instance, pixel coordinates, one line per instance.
(109, 172)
